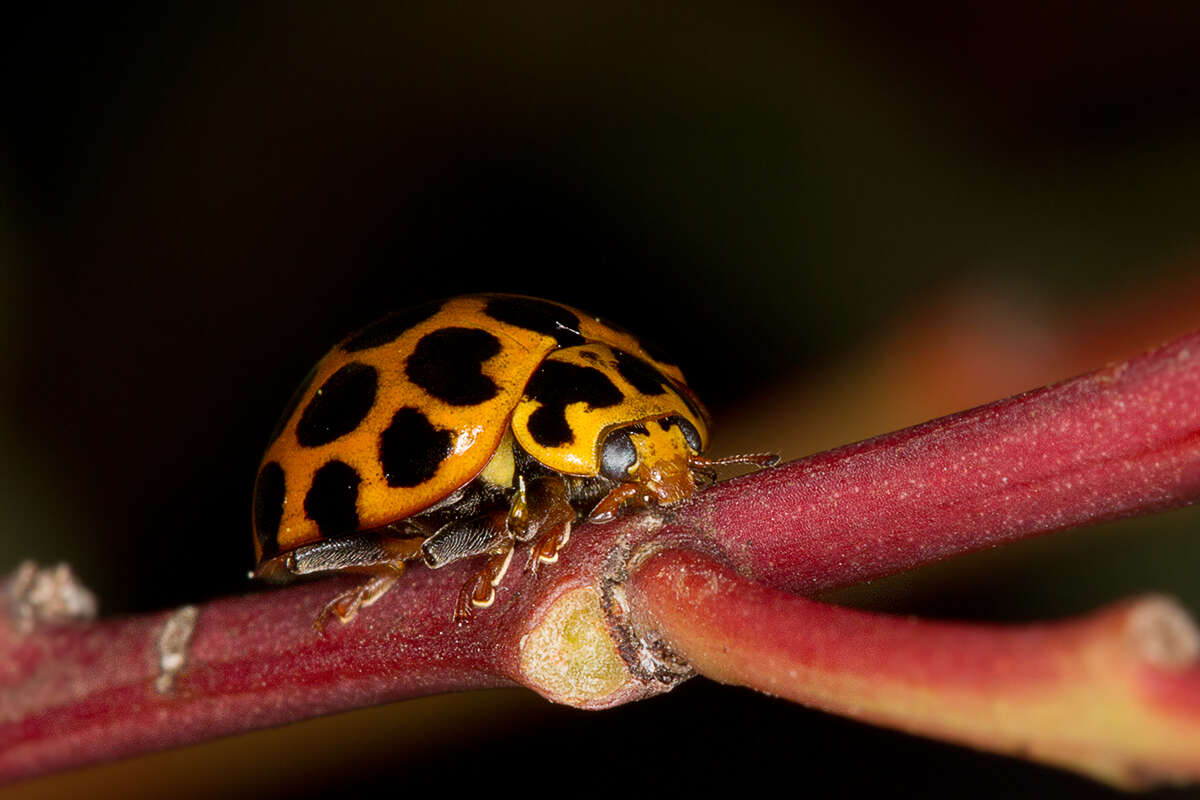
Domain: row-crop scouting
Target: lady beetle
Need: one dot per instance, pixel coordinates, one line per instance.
(458, 428)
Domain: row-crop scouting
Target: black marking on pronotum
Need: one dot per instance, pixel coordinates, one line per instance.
(556, 385)
(448, 364)
(389, 328)
(332, 500)
(269, 496)
(339, 406)
(412, 448)
(537, 315)
(641, 374)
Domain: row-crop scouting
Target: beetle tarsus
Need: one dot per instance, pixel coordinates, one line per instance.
(545, 549)
(346, 605)
(480, 590)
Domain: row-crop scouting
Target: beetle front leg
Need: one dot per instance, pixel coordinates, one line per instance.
(610, 506)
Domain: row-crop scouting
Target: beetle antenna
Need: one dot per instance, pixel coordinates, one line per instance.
(759, 460)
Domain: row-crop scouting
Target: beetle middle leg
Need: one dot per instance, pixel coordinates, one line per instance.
(542, 511)
(483, 535)
(539, 510)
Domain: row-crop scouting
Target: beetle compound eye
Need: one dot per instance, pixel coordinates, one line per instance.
(617, 456)
(690, 434)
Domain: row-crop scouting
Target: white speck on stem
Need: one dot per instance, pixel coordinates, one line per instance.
(172, 646)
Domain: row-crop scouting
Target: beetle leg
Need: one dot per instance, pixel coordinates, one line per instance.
(465, 538)
(612, 503)
(347, 604)
(480, 590)
(379, 554)
(542, 511)
(483, 535)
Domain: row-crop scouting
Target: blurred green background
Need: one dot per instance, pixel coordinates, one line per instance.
(196, 202)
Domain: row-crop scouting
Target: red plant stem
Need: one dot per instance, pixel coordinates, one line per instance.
(1115, 694)
(1120, 441)
(73, 694)
(77, 693)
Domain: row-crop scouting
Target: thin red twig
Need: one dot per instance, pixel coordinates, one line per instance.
(1120, 441)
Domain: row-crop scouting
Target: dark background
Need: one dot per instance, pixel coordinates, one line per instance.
(195, 203)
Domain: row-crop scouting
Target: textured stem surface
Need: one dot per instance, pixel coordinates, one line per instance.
(1115, 694)
(76, 693)
(1120, 441)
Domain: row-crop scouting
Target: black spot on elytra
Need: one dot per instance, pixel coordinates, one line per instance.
(389, 328)
(269, 494)
(556, 385)
(537, 315)
(641, 374)
(339, 406)
(332, 500)
(448, 364)
(411, 449)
